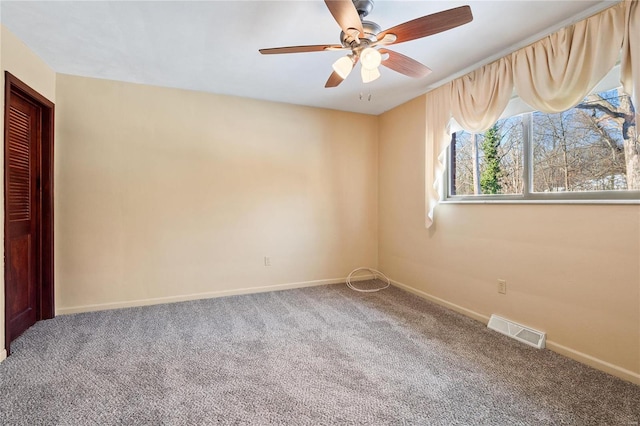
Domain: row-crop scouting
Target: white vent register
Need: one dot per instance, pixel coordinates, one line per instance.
(519, 332)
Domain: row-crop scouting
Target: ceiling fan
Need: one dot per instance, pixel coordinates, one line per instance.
(363, 39)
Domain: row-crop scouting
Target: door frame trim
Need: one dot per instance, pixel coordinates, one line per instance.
(45, 307)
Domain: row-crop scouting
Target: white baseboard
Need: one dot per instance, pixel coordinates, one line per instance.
(464, 311)
(589, 360)
(596, 363)
(198, 296)
(3, 355)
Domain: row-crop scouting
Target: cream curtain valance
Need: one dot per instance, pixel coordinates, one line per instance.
(630, 63)
(478, 98)
(438, 116)
(552, 75)
(557, 72)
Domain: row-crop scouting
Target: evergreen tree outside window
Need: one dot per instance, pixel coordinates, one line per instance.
(490, 177)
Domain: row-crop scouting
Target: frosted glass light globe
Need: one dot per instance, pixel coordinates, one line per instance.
(343, 66)
(369, 75)
(370, 58)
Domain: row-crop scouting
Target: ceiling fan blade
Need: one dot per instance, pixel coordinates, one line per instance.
(345, 13)
(301, 49)
(430, 24)
(404, 64)
(334, 80)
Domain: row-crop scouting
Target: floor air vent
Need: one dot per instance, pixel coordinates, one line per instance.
(519, 332)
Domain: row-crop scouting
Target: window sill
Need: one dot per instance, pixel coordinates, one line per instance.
(617, 201)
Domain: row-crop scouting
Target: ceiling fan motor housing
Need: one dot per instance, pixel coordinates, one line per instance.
(364, 7)
(371, 30)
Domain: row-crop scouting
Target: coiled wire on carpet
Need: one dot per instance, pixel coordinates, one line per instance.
(376, 275)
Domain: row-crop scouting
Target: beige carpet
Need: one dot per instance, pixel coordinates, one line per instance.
(322, 355)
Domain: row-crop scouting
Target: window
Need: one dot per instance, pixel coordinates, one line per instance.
(589, 152)
(489, 163)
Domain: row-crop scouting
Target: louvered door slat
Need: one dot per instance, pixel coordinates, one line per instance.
(19, 165)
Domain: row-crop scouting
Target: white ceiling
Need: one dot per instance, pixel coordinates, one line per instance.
(212, 46)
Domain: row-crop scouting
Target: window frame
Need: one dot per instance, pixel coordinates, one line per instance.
(528, 195)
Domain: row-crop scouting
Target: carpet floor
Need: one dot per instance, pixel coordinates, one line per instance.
(320, 355)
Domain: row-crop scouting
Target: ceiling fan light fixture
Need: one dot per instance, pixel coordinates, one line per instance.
(362, 37)
(370, 58)
(343, 66)
(368, 75)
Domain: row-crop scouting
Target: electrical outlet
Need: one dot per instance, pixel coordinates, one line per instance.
(502, 286)
(267, 261)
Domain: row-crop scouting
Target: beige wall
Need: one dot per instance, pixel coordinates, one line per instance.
(165, 194)
(20, 61)
(571, 270)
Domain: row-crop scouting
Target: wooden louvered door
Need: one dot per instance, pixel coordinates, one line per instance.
(22, 210)
(28, 208)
